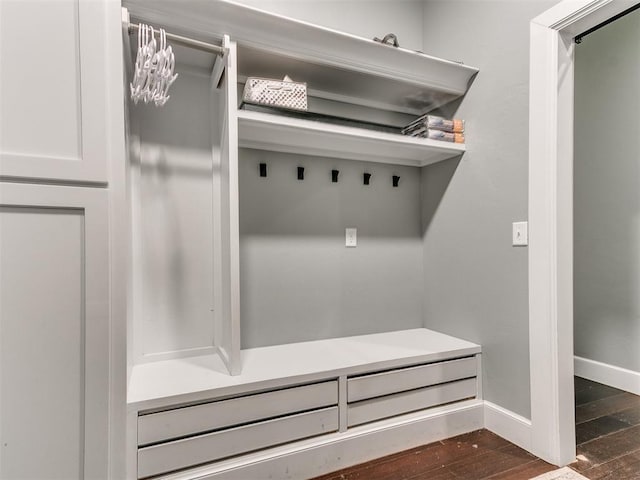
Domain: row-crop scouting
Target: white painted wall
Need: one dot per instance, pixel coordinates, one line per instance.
(606, 198)
(476, 282)
(365, 18)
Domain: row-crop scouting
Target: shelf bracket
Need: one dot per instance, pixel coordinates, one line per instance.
(217, 72)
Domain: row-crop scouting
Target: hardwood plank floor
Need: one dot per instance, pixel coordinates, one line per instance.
(607, 432)
(477, 455)
(607, 438)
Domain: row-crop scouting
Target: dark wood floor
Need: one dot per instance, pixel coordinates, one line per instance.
(607, 435)
(607, 432)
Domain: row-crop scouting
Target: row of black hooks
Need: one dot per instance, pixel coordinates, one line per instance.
(366, 177)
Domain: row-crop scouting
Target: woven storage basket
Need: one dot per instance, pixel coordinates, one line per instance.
(275, 93)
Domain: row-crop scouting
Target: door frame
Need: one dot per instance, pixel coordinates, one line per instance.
(551, 220)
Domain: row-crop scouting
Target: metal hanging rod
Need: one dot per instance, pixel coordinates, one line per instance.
(187, 42)
(578, 38)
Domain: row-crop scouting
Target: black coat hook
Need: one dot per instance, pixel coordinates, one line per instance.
(334, 175)
(367, 178)
(263, 169)
(300, 173)
(396, 179)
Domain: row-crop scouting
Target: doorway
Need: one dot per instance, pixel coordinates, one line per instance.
(551, 220)
(606, 249)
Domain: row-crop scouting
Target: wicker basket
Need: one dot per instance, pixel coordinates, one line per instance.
(275, 93)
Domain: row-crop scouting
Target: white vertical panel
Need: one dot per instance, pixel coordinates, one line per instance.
(226, 208)
(41, 343)
(54, 327)
(53, 83)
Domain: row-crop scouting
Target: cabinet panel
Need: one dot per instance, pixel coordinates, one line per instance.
(185, 421)
(53, 89)
(54, 347)
(41, 342)
(384, 383)
(225, 443)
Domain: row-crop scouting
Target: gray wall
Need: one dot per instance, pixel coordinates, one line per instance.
(298, 280)
(606, 194)
(365, 18)
(174, 229)
(476, 282)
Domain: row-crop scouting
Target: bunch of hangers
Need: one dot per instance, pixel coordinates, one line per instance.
(153, 71)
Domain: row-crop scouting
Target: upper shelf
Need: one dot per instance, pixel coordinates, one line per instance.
(335, 65)
(277, 133)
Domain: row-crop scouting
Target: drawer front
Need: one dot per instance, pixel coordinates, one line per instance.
(181, 422)
(383, 407)
(180, 454)
(394, 381)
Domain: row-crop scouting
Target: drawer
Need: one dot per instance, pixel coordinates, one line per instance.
(210, 447)
(182, 422)
(394, 381)
(390, 405)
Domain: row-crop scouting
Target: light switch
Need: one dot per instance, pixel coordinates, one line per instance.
(520, 234)
(351, 237)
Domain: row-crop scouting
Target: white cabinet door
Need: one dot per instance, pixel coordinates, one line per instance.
(54, 332)
(54, 89)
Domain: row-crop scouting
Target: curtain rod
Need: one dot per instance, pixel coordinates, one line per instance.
(188, 42)
(578, 38)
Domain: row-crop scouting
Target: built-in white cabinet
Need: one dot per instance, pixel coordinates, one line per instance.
(54, 332)
(255, 339)
(61, 133)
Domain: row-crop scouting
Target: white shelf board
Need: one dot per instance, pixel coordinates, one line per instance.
(278, 133)
(172, 382)
(340, 64)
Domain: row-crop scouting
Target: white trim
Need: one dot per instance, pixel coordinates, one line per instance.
(328, 453)
(617, 377)
(551, 220)
(507, 424)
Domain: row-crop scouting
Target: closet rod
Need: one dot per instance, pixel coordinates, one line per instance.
(578, 38)
(187, 42)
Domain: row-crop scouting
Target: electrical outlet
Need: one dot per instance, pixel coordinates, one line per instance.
(520, 234)
(351, 237)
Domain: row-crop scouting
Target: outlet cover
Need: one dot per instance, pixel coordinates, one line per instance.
(351, 237)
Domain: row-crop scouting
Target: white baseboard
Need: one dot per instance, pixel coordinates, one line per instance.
(616, 377)
(319, 456)
(508, 425)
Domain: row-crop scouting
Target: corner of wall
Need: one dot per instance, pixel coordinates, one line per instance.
(508, 425)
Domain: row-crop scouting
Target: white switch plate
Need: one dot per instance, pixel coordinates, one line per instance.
(520, 233)
(351, 237)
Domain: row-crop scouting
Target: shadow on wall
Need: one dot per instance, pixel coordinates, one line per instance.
(435, 181)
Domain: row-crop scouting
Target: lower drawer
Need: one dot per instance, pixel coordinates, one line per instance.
(390, 405)
(179, 454)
